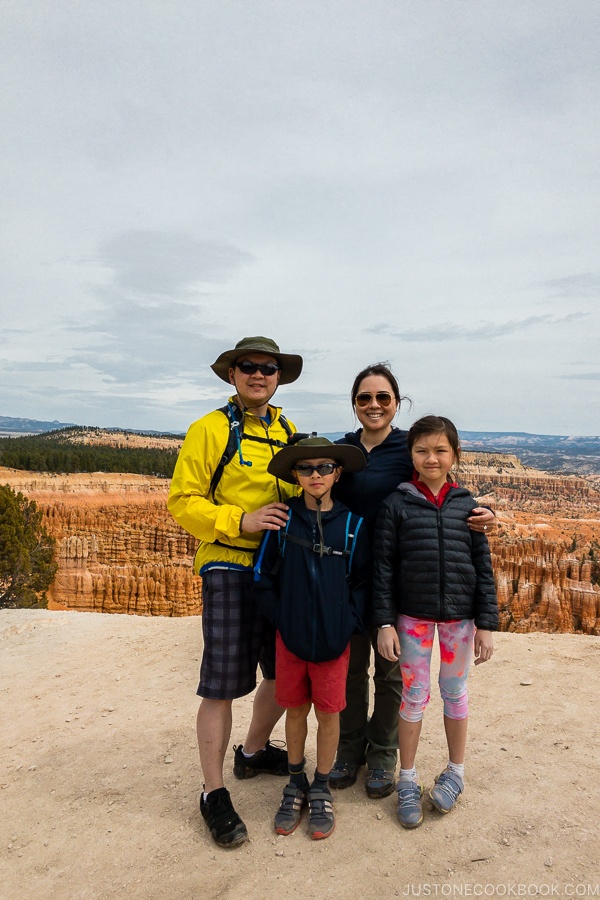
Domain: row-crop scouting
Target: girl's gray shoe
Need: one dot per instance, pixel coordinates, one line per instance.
(410, 804)
(446, 791)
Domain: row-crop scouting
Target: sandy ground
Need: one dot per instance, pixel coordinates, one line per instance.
(100, 778)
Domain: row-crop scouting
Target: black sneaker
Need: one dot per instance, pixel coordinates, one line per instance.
(380, 783)
(270, 761)
(225, 825)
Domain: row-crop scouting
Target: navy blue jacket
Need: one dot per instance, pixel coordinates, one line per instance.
(387, 465)
(307, 596)
(429, 564)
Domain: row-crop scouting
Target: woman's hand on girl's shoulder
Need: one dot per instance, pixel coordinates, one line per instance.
(483, 645)
(481, 519)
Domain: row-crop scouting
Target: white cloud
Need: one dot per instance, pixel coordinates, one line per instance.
(412, 182)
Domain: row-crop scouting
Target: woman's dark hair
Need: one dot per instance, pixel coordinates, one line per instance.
(380, 368)
(435, 425)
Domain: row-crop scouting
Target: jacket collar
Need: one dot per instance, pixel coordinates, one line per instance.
(413, 492)
(353, 437)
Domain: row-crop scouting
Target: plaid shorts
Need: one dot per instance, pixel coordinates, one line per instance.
(236, 637)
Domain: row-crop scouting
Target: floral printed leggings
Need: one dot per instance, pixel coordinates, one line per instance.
(456, 652)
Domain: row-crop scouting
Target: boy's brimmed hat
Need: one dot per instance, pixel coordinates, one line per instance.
(290, 363)
(351, 458)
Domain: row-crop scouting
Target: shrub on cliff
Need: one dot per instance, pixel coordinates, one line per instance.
(27, 566)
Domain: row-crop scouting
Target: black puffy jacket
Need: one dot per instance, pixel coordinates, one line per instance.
(429, 564)
(307, 596)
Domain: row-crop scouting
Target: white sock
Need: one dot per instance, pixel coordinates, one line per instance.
(408, 774)
(249, 755)
(204, 796)
(457, 768)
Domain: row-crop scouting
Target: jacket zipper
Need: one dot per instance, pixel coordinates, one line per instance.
(441, 561)
(314, 576)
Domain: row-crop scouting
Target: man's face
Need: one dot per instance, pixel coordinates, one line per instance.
(256, 388)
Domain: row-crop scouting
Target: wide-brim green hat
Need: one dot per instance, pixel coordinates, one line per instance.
(351, 458)
(290, 363)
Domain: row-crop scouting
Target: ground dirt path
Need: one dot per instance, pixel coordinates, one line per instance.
(99, 778)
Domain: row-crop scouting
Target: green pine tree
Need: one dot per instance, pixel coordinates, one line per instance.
(27, 566)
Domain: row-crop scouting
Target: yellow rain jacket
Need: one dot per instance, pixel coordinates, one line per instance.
(242, 488)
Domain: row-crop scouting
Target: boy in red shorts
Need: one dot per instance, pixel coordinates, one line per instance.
(312, 582)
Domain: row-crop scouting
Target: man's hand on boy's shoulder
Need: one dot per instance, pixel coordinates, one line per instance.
(271, 517)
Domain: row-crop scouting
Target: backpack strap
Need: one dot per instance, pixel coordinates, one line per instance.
(235, 417)
(353, 526)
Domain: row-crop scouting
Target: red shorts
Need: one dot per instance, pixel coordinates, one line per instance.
(298, 682)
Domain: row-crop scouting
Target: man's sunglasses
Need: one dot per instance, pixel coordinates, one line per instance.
(249, 368)
(305, 470)
(383, 398)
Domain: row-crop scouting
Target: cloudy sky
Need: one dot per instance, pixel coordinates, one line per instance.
(405, 180)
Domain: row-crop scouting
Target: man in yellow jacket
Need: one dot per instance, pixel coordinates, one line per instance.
(222, 493)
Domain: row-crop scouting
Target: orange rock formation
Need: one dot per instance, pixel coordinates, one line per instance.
(118, 548)
(120, 551)
(546, 552)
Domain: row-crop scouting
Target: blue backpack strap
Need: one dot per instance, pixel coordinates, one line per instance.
(353, 526)
(261, 553)
(263, 547)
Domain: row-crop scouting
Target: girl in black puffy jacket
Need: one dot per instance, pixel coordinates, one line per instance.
(431, 571)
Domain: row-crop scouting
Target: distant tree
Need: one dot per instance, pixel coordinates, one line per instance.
(27, 566)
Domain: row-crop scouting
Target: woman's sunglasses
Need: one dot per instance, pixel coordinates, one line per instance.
(383, 398)
(305, 470)
(249, 368)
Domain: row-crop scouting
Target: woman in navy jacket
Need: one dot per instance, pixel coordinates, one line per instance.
(373, 739)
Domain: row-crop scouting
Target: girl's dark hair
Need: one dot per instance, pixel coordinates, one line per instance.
(380, 368)
(435, 425)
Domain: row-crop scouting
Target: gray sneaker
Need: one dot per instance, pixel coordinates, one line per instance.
(287, 817)
(446, 791)
(321, 820)
(410, 804)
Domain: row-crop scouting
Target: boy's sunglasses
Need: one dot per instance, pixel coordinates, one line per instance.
(249, 368)
(305, 470)
(364, 398)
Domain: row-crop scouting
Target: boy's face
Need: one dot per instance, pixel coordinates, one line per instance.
(313, 483)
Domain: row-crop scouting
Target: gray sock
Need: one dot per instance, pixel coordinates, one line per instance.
(321, 781)
(298, 775)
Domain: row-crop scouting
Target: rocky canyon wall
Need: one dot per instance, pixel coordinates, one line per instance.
(120, 551)
(118, 548)
(546, 550)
